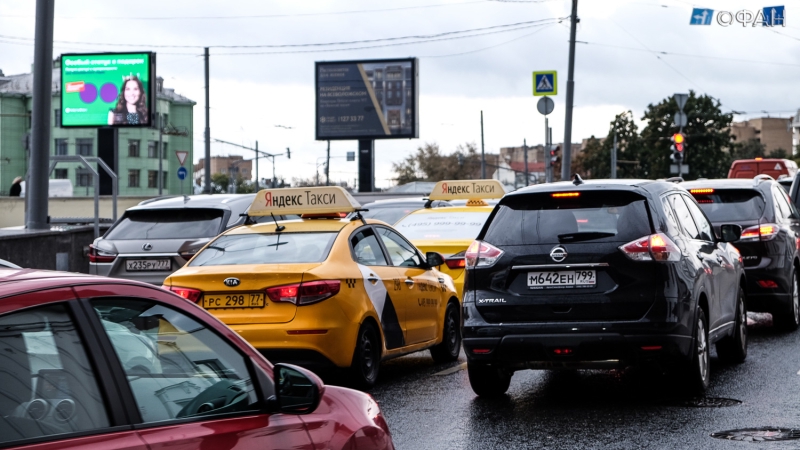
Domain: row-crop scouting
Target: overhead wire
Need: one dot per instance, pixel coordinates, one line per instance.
(544, 27)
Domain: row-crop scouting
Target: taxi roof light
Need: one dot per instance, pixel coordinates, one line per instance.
(469, 190)
(306, 200)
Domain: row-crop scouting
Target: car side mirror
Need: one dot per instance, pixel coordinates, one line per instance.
(297, 390)
(730, 232)
(435, 259)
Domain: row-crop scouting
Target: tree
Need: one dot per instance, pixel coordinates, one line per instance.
(595, 160)
(779, 153)
(429, 164)
(707, 138)
(220, 183)
(749, 149)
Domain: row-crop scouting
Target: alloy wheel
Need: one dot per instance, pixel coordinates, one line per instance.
(702, 350)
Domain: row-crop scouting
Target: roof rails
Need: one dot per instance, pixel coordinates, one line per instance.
(761, 177)
(674, 180)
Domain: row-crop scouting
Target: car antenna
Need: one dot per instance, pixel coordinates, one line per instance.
(577, 180)
(358, 215)
(278, 228)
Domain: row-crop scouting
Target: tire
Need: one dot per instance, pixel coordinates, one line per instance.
(450, 347)
(366, 357)
(733, 349)
(488, 381)
(697, 372)
(788, 318)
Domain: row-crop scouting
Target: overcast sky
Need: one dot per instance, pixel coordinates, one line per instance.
(619, 64)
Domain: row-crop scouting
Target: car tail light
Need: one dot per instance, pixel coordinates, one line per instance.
(304, 293)
(193, 295)
(656, 247)
(566, 194)
(481, 351)
(702, 191)
(100, 256)
(763, 232)
(457, 261)
(188, 254)
(482, 254)
(562, 351)
(767, 284)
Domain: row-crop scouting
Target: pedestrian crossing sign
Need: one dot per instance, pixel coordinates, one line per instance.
(545, 83)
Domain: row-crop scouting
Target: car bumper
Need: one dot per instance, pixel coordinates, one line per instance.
(763, 299)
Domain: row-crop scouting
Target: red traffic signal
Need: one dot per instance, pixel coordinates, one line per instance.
(554, 149)
(678, 139)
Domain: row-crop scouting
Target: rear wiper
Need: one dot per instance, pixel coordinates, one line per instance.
(583, 236)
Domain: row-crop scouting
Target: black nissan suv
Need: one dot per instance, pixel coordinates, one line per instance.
(601, 274)
(769, 242)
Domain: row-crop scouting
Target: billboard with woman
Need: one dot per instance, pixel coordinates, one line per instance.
(107, 89)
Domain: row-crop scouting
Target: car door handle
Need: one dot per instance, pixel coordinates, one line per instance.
(409, 282)
(372, 279)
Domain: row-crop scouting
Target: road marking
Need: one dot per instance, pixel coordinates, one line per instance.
(798, 372)
(455, 369)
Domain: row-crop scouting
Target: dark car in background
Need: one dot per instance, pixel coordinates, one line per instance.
(393, 209)
(158, 236)
(601, 274)
(769, 241)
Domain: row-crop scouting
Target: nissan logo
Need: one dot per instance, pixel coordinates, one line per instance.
(231, 282)
(147, 247)
(558, 253)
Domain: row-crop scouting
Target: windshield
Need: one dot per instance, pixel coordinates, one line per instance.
(732, 205)
(272, 248)
(182, 223)
(444, 225)
(389, 215)
(592, 216)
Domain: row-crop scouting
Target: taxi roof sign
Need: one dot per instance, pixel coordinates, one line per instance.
(307, 200)
(467, 190)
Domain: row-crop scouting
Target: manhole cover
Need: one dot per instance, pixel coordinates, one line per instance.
(758, 434)
(712, 402)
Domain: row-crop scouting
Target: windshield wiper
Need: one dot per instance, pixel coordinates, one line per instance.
(584, 236)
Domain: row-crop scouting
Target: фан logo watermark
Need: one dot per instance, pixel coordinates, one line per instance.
(770, 16)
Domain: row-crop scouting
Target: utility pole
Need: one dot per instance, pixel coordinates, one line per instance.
(614, 154)
(525, 155)
(257, 179)
(161, 151)
(483, 153)
(207, 168)
(567, 152)
(328, 166)
(39, 164)
(268, 155)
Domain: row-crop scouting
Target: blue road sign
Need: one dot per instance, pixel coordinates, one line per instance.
(774, 16)
(182, 173)
(545, 83)
(701, 16)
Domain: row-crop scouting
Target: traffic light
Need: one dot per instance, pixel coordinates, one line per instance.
(553, 149)
(288, 153)
(677, 147)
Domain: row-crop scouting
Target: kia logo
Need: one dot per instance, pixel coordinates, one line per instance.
(558, 253)
(231, 282)
(147, 247)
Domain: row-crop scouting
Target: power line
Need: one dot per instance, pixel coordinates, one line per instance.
(318, 44)
(544, 27)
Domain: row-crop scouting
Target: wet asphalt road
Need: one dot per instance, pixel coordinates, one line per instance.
(430, 406)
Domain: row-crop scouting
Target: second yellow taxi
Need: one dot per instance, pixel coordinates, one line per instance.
(324, 291)
(451, 230)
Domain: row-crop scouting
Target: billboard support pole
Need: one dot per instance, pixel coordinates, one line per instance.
(257, 179)
(328, 166)
(38, 183)
(525, 156)
(366, 165)
(207, 168)
(483, 153)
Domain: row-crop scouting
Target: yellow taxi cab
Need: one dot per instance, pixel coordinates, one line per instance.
(450, 231)
(324, 291)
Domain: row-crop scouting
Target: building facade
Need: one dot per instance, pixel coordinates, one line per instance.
(775, 133)
(138, 149)
(234, 166)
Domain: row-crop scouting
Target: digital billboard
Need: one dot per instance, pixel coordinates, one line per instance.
(368, 99)
(107, 89)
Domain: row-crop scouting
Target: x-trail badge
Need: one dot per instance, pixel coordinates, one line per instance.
(231, 282)
(558, 253)
(147, 247)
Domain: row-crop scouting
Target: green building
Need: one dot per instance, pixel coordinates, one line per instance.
(138, 152)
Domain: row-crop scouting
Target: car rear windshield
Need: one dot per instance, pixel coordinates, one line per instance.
(185, 223)
(389, 215)
(271, 248)
(731, 205)
(445, 225)
(607, 216)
